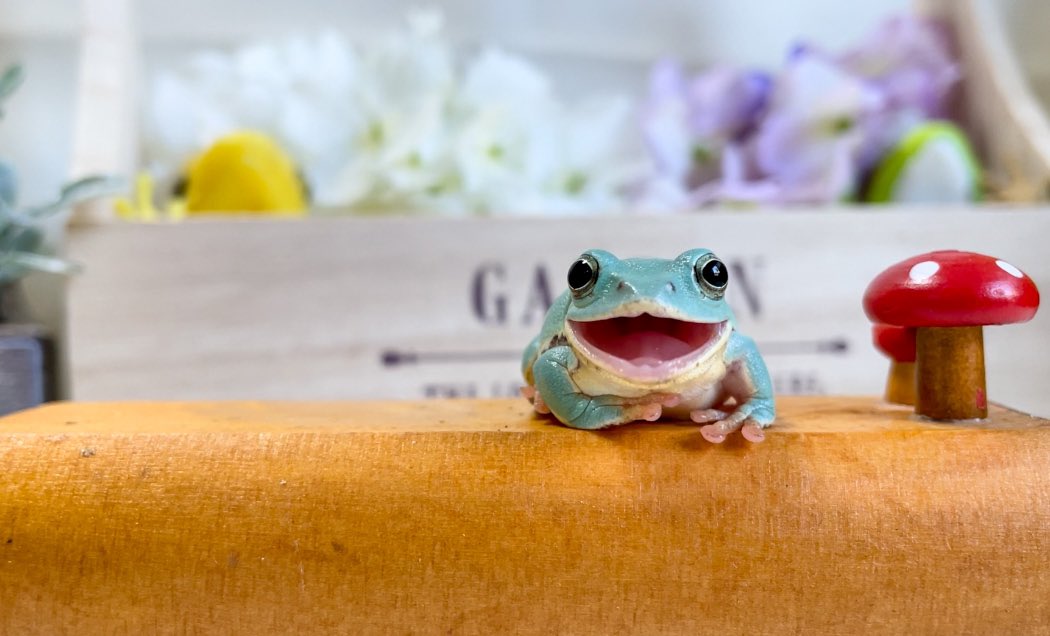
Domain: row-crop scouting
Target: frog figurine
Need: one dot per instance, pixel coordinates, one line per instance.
(642, 338)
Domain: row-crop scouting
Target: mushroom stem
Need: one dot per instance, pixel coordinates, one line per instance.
(900, 383)
(950, 373)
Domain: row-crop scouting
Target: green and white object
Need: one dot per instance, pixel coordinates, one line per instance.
(934, 163)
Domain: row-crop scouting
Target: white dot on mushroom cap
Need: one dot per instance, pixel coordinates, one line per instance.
(1009, 269)
(922, 272)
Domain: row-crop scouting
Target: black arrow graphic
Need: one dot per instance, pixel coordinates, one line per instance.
(803, 347)
(393, 357)
(396, 357)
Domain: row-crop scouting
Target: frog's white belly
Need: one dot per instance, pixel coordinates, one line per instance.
(698, 388)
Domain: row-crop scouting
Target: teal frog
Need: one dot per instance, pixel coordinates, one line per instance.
(644, 338)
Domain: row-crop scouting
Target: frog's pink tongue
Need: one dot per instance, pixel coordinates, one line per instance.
(649, 348)
(645, 344)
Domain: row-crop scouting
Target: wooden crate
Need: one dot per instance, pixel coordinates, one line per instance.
(400, 308)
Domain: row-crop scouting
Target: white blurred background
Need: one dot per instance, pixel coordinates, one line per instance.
(586, 46)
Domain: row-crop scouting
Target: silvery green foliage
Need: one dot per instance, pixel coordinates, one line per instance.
(10, 80)
(8, 184)
(22, 232)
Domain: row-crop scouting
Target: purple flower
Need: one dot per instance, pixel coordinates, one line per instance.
(816, 105)
(806, 149)
(726, 103)
(687, 121)
(910, 60)
(740, 185)
(810, 134)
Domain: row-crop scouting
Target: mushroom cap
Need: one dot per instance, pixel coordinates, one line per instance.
(897, 343)
(951, 289)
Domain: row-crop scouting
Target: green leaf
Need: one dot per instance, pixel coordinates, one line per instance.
(77, 191)
(94, 186)
(8, 184)
(22, 231)
(20, 238)
(39, 262)
(10, 80)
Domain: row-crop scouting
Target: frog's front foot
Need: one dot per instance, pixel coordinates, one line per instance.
(648, 408)
(603, 411)
(749, 418)
(716, 433)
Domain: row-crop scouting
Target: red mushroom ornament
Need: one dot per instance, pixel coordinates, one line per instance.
(948, 297)
(897, 344)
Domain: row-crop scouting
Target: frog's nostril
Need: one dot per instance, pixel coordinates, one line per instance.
(625, 287)
(670, 287)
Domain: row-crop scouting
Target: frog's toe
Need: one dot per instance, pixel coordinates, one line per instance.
(532, 395)
(647, 412)
(717, 432)
(539, 405)
(713, 433)
(706, 416)
(752, 432)
(651, 412)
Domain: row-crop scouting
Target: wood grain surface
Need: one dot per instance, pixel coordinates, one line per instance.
(476, 517)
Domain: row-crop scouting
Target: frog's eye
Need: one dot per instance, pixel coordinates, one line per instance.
(583, 275)
(712, 274)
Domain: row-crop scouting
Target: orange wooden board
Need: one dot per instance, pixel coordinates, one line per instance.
(475, 517)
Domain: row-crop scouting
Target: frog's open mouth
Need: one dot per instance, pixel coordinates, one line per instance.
(646, 347)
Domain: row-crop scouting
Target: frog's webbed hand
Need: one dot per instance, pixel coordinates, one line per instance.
(748, 383)
(747, 417)
(556, 390)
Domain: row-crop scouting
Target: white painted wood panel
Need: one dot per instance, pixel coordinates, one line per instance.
(306, 309)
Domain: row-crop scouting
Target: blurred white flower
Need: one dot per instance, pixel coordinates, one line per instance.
(396, 125)
(300, 92)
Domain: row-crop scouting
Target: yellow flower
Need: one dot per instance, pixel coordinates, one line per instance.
(244, 172)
